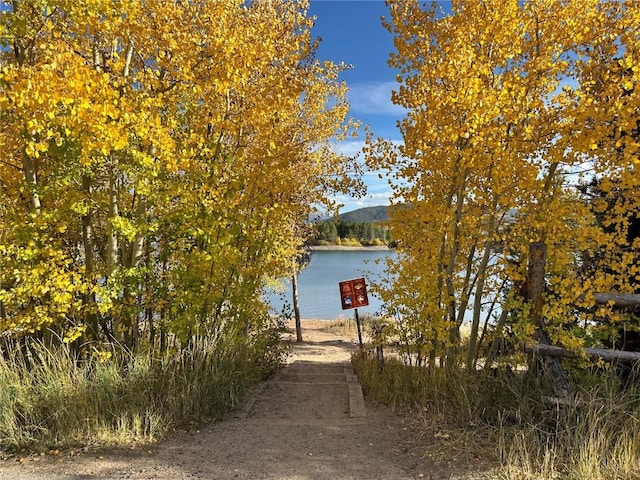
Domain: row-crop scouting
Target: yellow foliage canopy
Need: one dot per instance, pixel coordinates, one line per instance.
(157, 159)
(510, 105)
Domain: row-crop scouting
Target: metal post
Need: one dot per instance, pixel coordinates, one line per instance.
(358, 325)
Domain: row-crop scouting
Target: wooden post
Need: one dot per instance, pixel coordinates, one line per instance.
(535, 289)
(296, 306)
(378, 338)
(380, 355)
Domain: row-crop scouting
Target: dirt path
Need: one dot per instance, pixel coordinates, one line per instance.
(308, 422)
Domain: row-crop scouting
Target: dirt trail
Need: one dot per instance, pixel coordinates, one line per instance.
(308, 422)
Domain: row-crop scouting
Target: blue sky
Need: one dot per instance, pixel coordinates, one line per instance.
(352, 32)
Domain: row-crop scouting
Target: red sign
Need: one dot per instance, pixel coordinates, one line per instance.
(353, 293)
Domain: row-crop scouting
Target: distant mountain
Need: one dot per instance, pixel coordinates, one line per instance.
(367, 214)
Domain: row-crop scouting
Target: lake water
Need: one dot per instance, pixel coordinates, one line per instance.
(318, 293)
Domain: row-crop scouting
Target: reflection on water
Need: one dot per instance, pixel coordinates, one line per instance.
(318, 292)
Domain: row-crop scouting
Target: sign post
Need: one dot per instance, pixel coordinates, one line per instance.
(353, 294)
(358, 327)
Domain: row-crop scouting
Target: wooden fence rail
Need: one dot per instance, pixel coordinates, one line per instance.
(620, 300)
(549, 353)
(593, 353)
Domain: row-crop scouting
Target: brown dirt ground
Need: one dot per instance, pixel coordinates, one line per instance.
(296, 426)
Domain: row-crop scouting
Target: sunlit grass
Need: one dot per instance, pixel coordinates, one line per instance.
(347, 326)
(50, 398)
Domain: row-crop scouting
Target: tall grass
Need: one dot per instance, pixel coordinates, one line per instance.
(347, 326)
(509, 418)
(51, 399)
(595, 437)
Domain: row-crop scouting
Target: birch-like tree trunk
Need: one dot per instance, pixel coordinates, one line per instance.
(31, 179)
(454, 331)
(535, 289)
(477, 301)
(88, 240)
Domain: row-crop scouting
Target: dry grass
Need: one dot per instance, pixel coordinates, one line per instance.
(341, 327)
(54, 399)
(347, 326)
(506, 428)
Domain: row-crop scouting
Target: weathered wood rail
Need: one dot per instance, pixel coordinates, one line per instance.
(619, 300)
(593, 353)
(548, 353)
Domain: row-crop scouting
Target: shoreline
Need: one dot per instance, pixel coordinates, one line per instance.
(346, 247)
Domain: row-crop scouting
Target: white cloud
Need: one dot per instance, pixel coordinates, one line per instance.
(350, 148)
(374, 98)
(370, 200)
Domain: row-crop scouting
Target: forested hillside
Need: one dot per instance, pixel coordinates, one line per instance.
(378, 214)
(364, 226)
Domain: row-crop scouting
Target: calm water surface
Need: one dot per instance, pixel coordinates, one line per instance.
(318, 292)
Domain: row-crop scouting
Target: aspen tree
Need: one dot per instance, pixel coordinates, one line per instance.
(155, 159)
(501, 116)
